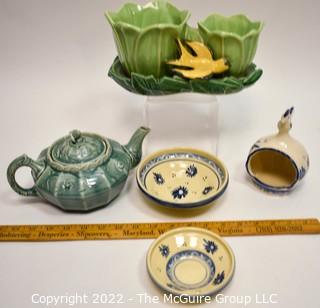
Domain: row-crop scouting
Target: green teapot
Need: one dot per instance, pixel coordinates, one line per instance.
(80, 172)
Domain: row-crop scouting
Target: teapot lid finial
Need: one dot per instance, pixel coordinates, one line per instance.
(75, 135)
(284, 125)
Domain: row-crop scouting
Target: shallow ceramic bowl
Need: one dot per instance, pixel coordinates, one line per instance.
(190, 262)
(145, 36)
(182, 177)
(234, 38)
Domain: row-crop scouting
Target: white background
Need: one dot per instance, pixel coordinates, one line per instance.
(54, 57)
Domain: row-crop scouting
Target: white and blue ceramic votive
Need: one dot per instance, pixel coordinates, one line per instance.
(278, 162)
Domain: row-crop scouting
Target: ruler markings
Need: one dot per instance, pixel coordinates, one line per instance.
(73, 232)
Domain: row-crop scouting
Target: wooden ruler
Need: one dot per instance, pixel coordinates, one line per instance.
(84, 232)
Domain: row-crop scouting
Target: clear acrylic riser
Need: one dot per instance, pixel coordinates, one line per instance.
(182, 120)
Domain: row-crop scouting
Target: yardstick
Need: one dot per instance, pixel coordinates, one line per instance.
(84, 232)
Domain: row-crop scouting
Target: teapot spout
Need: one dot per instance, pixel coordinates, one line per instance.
(134, 146)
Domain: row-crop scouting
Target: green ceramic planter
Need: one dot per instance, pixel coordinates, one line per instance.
(145, 36)
(148, 85)
(234, 38)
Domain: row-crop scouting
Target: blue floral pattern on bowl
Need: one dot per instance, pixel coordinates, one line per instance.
(164, 250)
(190, 269)
(210, 246)
(206, 190)
(185, 179)
(219, 278)
(158, 178)
(191, 171)
(180, 192)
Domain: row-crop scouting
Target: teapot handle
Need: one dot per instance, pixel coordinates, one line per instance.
(22, 161)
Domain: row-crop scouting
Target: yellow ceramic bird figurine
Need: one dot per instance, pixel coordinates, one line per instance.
(199, 66)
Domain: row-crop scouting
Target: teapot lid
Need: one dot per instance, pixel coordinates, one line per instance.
(79, 151)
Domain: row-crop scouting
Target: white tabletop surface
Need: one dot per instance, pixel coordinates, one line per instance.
(54, 58)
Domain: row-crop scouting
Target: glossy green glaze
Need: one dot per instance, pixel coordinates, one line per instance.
(80, 172)
(192, 34)
(145, 36)
(234, 38)
(148, 85)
